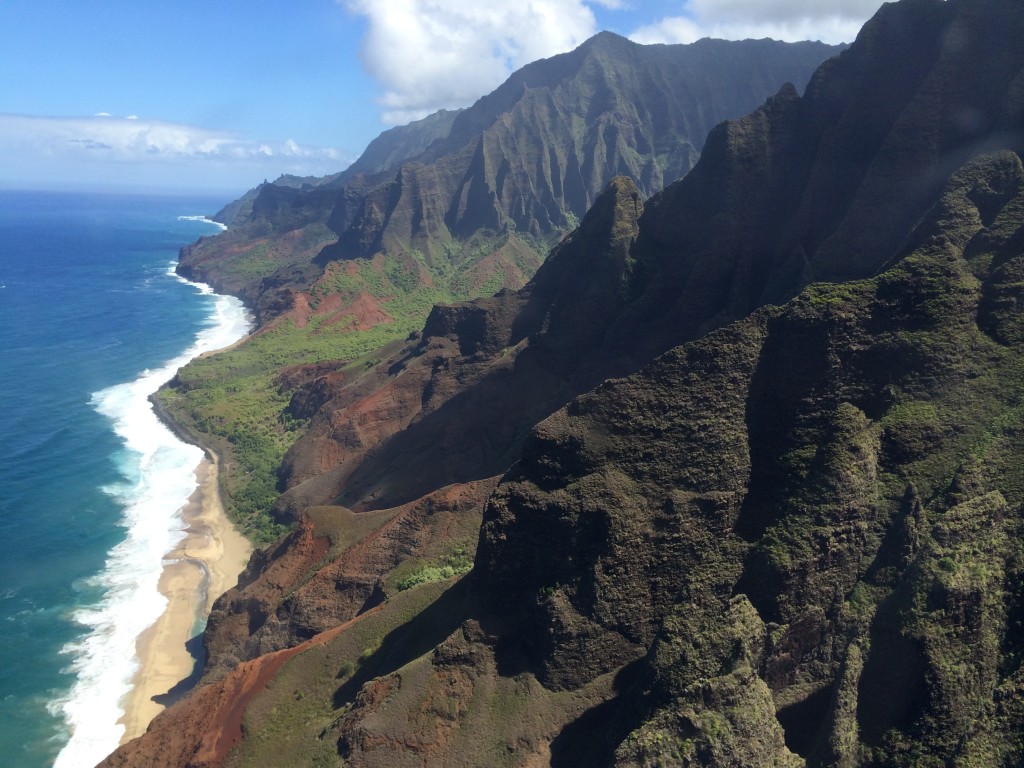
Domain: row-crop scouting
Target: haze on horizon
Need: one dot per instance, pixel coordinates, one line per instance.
(218, 98)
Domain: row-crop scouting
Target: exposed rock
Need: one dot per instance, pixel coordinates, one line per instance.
(334, 569)
(786, 533)
(463, 395)
(532, 157)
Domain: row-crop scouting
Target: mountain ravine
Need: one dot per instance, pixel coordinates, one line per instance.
(446, 209)
(526, 162)
(737, 472)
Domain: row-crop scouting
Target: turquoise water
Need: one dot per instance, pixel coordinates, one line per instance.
(92, 320)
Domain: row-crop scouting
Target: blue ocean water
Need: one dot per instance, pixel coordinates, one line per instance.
(92, 320)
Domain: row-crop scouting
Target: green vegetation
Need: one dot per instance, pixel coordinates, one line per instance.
(459, 562)
(841, 294)
(252, 262)
(286, 726)
(234, 400)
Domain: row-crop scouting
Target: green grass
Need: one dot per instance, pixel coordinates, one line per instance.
(253, 262)
(289, 723)
(459, 562)
(233, 400)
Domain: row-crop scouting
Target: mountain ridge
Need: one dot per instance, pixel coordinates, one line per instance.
(336, 271)
(728, 513)
(477, 178)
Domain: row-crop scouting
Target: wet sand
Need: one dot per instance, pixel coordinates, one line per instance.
(201, 568)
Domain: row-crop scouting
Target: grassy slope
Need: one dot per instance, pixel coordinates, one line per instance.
(234, 401)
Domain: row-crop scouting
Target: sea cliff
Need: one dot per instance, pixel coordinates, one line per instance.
(736, 469)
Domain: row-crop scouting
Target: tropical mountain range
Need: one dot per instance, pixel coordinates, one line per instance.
(733, 479)
(452, 207)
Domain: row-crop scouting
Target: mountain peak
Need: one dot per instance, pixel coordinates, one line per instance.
(606, 40)
(615, 212)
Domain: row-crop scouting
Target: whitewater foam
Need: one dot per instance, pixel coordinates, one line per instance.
(159, 477)
(205, 220)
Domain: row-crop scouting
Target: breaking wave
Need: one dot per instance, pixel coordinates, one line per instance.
(158, 472)
(203, 219)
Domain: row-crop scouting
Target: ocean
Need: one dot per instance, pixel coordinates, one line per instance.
(92, 321)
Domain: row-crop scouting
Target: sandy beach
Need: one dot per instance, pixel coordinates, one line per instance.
(201, 568)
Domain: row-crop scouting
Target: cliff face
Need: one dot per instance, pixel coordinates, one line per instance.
(334, 269)
(819, 500)
(396, 145)
(546, 143)
(529, 158)
(788, 532)
(458, 399)
(752, 224)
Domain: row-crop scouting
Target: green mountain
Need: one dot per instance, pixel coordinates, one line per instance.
(737, 472)
(524, 163)
(452, 207)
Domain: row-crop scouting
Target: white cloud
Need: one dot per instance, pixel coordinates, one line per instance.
(34, 147)
(430, 54)
(831, 21)
(776, 11)
(132, 139)
(674, 29)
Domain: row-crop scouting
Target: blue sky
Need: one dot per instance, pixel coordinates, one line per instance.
(218, 96)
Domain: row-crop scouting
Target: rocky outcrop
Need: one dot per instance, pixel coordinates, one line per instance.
(530, 158)
(458, 402)
(640, 512)
(860, 615)
(747, 227)
(459, 398)
(335, 567)
(396, 145)
(545, 144)
(760, 437)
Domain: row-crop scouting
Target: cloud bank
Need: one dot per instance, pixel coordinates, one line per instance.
(831, 21)
(430, 54)
(33, 146)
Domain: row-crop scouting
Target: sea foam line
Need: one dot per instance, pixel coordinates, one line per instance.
(159, 477)
(205, 220)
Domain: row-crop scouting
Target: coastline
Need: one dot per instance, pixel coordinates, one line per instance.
(100, 471)
(201, 567)
(205, 564)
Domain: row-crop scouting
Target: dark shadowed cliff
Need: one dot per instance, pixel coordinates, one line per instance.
(468, 205)
(739, 465)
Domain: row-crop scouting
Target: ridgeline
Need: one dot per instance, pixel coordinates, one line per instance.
(737, 470)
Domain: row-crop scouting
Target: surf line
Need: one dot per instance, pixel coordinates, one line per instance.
(159, 477)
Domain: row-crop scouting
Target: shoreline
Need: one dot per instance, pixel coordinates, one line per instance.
(205, 564)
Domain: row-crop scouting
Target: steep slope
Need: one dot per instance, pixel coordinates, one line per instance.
(389, 150)
(780, 538)
(840, 471)
(396, 145)
(752, 223)
(472, 214)
(538, 151)
(238, 212)
(456, 403)
(529, 158)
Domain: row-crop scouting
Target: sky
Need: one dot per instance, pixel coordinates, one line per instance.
(151, 95)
